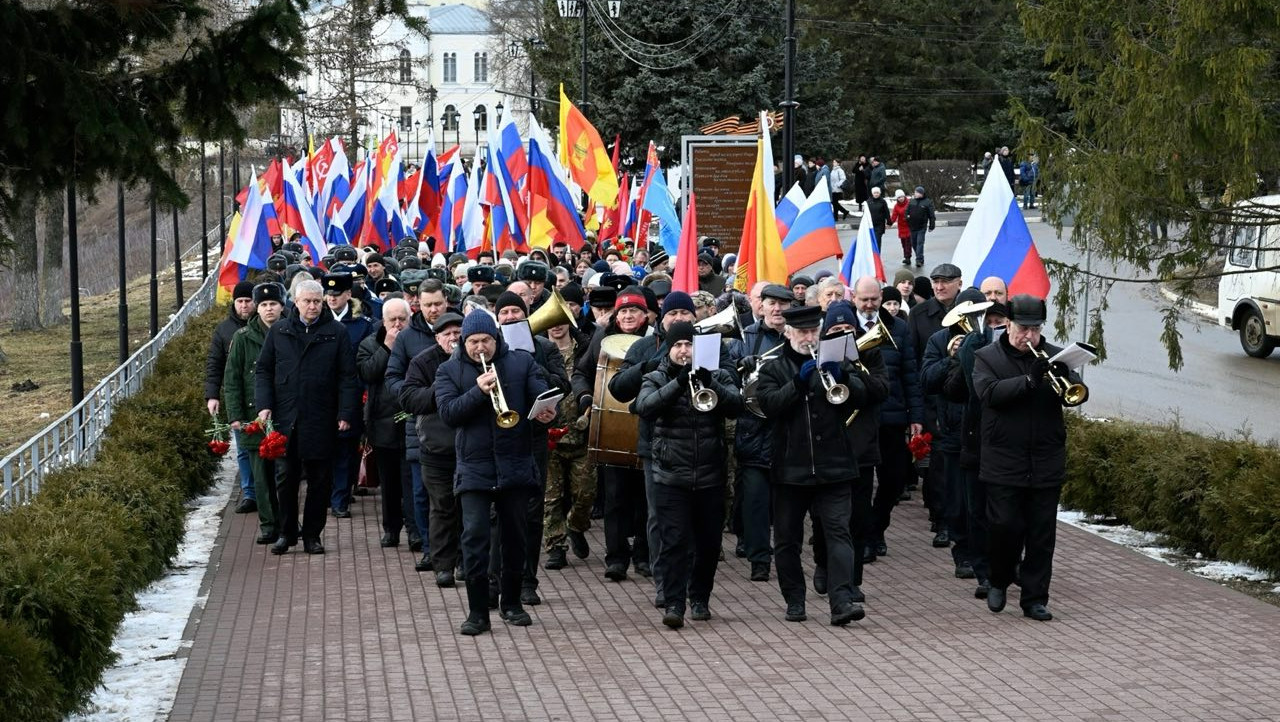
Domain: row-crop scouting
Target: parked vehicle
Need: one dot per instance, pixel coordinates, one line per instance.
(1249, 293)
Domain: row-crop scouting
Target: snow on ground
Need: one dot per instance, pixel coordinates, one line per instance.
(142, 684)
(1149, 544)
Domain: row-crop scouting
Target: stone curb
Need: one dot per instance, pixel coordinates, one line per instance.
(1200, 309)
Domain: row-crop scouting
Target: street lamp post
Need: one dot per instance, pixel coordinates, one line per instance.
(476, 115)
(499, 107)
(513, 51)
(416, 146)
(306, 136)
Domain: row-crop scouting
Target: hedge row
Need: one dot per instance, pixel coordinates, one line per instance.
(1216, 496)
(72, 560)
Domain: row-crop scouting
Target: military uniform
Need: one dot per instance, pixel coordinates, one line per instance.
(569, 473)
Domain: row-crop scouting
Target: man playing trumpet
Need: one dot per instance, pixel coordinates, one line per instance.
(1024, 454)
(485, 392)
(687, 410)
(815, 459)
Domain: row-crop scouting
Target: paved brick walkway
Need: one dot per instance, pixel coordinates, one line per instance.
(358, 635)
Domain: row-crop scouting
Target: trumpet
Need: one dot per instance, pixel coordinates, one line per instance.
(837, 393)
(1071, 394)
(704, 399)
(506, 417)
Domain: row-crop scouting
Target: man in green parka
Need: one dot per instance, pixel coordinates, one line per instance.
(237, 391)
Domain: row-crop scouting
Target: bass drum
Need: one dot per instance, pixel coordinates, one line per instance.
(612, 436)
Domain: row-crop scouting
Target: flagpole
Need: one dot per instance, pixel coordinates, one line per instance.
(122, 308)
(177, 247)
(155, 281)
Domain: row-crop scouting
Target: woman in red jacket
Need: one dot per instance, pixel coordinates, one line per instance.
(898, 217)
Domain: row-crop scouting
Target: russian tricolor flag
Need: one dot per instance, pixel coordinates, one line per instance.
(864, 257)
(788, 208)
(997, 242)
(812, 236)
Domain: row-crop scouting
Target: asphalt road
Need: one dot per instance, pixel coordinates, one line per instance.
(1219, 389)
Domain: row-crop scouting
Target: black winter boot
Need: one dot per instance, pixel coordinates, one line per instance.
(477, 621)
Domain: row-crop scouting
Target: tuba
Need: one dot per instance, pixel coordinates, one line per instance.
(555, 312)
(1071, 394)
(967, 315)
(506, 417)
(724, 323)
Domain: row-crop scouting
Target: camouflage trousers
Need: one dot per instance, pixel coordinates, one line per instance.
(570, 494)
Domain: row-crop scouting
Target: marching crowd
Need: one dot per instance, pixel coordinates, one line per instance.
(505, 402)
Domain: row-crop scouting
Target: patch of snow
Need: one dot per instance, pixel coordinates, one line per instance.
(1149, 544)
(144, 681)
(1231, 570)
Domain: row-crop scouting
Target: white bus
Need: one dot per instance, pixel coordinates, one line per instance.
(1249, 293)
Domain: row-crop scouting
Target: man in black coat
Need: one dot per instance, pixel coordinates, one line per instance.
(306, 386)
(753, 435)
(863, 428)
(921, 218)
(925, 320)
(418, 337)
(625, 504)
(241, 310)
(384, 433)
(436, 454)
(815, 463)
(512, 309)
(496, 470)
(1024, 454)
(879, 209)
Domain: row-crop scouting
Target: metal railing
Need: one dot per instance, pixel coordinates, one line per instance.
(75, 437)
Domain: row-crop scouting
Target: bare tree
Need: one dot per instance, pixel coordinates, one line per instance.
(52, 285)
(354, 49)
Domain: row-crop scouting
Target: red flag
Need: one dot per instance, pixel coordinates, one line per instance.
(686, 273)
(617, 148)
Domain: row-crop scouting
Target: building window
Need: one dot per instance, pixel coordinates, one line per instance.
(482, 67)
(406, 67)
(406, 118)
(482, 119)
(450, 67)
(450, 118)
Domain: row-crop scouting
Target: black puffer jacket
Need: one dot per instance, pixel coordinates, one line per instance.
(415, 339)
(584, 371)
(924, 321)
(920, 214)
(435, 446)
(216, 363)
(811, 443)
(688, 446)
(753, 436)
(380, 410)
(866, 424)
(625, 385)
(1024, 436)
(939, 372)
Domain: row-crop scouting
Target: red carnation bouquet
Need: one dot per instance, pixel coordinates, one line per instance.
(273, 444)
(919, 445)
(554, 434)
(218, 444)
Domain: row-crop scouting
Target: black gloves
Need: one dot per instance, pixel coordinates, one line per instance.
(703, 376)
(1038, 369)
(652, 364)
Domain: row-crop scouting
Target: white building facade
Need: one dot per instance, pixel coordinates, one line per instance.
(443, 86)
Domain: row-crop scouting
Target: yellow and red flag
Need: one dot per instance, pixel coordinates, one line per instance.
(582, 153)
(760, 256)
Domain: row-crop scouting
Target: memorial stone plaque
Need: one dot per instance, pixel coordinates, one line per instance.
(719, 171)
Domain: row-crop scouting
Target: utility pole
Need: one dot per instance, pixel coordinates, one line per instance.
(789, 103)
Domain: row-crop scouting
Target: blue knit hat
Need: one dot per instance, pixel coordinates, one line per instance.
(675, 300)
(839, 312)
(479, 321)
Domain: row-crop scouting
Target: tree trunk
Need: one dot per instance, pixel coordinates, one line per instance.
(51, 279)
(26, 277)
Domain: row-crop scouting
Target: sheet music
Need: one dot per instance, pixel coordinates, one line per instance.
(550, 398)
(706, 351)
(518, 335)
(1076, 355)
(834, 350)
